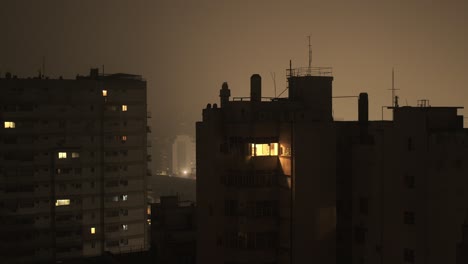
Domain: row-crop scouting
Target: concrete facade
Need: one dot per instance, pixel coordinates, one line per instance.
(173, 231)
(73, 161)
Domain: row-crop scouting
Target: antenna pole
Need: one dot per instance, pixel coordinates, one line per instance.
(310, 57)
(273, 76)
(43, 65)
(393, 87)
(394, 98)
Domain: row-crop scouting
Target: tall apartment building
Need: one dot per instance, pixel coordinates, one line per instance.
(73, 164)
(279, 181)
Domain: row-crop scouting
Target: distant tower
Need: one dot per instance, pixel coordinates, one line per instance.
(224, 94)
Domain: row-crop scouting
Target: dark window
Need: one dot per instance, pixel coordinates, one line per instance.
(409, 181)
(408, 255)
(408, 218)
(230, 207)
(360, 235)
(364, 205)
(410, 144)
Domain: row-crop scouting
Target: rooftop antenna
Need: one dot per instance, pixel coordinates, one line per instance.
(273, 76)
(310, 58)
(394, 98)
(43, 66)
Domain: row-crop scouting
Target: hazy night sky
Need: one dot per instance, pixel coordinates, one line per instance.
(186, 49)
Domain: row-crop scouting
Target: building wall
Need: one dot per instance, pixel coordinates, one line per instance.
(229, 175)
(407, 189)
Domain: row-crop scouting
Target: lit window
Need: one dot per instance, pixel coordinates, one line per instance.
(124, 108)
(124, 197)
(75, 155)
(124, 138)
(62, 155)
(125, 227)
(9, 124)
(270, 149)
(104, 93)
(93, 230)
(62, 202)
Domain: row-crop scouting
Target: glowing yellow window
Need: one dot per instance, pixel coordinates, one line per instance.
(104, 93)
(62, 155)
(62, 202)
(268, 149)
(124, 108)
(92, 230)
(9, 124)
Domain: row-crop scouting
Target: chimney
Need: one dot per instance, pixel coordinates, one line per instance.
(363, 108)
(256, 88)
(224, 94)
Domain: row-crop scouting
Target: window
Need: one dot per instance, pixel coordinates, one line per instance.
(112, 243)
(408, 218)
(360, 235)
(410, 144)
(9, 124)
(62, 155)
(124, 139)
(124, 108)
(62, 202)
(409, 181)
(124, 227)
(104, 93)
(93, 230)
(408, 255)
(75, 155)
(363, 205)
(124, 197)
(269, 149)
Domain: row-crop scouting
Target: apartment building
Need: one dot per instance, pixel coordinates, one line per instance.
(279, 181)
(73, 165)
(173, 230)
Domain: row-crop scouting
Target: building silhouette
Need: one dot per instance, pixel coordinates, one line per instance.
(173, 231)
(279, 181)
(73, 162)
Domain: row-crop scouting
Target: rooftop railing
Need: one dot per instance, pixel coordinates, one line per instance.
(309, 71)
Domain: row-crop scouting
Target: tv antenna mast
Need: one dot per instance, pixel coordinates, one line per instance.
(394, 97)
(309, 70)
(273, 76)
